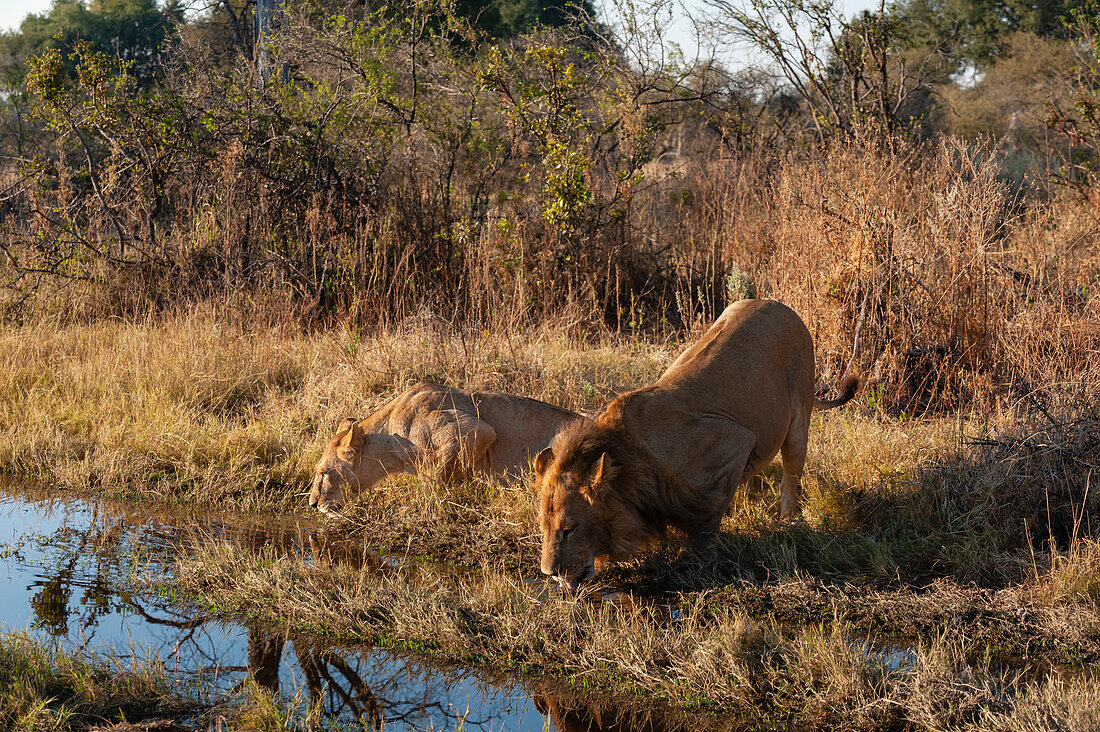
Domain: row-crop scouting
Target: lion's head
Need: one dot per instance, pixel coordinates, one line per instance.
(348, 460)
(598, 497)
(573, 531)
(586, 511)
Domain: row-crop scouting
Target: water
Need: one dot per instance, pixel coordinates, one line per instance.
(64, 564)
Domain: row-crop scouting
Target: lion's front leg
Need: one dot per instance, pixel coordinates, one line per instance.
(714, 500)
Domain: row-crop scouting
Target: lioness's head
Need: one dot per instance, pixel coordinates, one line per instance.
(346, 461)
(572, 482)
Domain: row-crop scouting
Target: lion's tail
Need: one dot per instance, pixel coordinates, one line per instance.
(847, 388)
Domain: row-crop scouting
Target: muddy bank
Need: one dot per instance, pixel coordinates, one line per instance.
(705, 656)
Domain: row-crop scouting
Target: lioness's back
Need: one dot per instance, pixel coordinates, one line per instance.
(524, 426)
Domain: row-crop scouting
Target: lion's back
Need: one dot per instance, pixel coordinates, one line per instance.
(754, 337)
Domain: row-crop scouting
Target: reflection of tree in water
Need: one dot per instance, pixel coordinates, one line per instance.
(91, 557)
(265, 651)
(337, 687)
(86, 558)
(369, 687)
(50, 604)
(77, 587)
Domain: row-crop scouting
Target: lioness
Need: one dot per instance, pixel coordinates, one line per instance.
(438, 427)
(673, 453)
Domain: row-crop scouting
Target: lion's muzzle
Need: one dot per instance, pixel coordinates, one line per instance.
(572, 584)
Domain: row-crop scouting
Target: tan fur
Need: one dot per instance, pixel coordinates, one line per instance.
(436, 428)
(673, 453)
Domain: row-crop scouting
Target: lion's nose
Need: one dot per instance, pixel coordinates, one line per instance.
(315, 492)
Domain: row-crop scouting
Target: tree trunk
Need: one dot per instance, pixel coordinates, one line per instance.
(268, 15)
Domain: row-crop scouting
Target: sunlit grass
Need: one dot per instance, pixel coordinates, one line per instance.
(191, 409)
(701, 653)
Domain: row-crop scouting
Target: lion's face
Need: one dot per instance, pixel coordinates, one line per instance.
(329, 479)
(574, 532)
(344, 463)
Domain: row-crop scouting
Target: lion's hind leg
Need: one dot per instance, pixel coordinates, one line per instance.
(794, 461)
(463, 442)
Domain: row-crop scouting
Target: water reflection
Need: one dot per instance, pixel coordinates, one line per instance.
(67, 560)
(571, 715)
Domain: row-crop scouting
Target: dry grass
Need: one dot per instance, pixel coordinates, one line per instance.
(701, 655)
(1074, 575)
(199, 409)
(976, 527)
(47, 688)
(1010, 625)
(493, 621)
(913, 264)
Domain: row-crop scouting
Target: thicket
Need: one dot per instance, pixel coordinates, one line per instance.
(581, 174)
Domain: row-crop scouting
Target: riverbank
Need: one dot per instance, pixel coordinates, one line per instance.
(698, 653)
(78, 573)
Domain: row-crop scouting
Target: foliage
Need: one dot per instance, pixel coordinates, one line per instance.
(134, 31)
(105, 124)
(1079, 119)
(1011, 100)
(977, 32)
(509, 18)
(409, 161)
(850, 73)
(405, 152)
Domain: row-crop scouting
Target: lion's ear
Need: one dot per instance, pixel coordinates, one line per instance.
(542, 460)
(346, 423)
(601, 472)
(353, 438)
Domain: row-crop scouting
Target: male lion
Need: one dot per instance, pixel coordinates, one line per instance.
(673, 453)
(438, 427)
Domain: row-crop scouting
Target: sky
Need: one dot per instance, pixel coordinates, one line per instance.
(13, 11)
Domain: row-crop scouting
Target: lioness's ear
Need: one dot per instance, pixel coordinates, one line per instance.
(346, 423)
(353, 438)
(542, 460)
